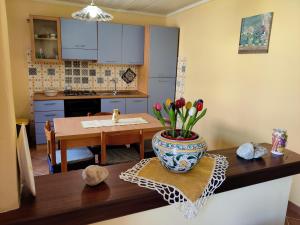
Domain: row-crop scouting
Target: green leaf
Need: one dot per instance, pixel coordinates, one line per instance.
(181, 116)
(159, 117)
(200, 116)
(166, 108)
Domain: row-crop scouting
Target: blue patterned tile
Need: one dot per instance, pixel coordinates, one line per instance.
(51, 72)
(85, 80)
(68, 64)
(92, 72)
(68, 80)
(100, 80)
(68, 72)
(76, 80)
(76, 72)
(32, 71)
(107, 73)
(84, 64)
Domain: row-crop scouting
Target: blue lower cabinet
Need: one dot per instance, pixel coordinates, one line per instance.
(39, 127)
(50, 115)
(40, 139)
(136, 105)
(109, 104)
(43, 111)
(52, 105)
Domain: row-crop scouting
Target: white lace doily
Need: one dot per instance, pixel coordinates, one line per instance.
(173, 195)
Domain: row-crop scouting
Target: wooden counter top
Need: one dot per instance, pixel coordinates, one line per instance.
(100, 94)
(65, 199)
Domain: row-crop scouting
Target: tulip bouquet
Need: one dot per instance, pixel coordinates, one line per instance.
(188, 112)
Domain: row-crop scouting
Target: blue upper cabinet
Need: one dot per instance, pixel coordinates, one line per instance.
(133, 45)
(79, 39)
(110, 43)
(163, 51)
(159, 90)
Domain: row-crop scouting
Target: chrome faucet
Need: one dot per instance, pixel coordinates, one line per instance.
(115, 92)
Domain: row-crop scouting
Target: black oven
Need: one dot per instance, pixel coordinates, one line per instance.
(81, 107)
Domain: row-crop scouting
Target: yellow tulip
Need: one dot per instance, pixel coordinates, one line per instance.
(168, 102)
(188, 105)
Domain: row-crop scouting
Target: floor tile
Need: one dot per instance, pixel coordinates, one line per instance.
(39, 160)
(293, 212)
(292, 221)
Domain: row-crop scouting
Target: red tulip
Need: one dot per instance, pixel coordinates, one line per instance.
(180, 103)
(199, 106)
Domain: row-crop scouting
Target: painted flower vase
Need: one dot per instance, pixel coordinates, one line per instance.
(178, 156)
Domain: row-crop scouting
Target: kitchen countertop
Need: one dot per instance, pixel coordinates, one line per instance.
(100, 94)
(65, 199)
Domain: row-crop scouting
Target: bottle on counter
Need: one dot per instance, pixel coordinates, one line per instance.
(115, 116)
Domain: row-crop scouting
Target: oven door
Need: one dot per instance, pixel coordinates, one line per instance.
(81, 107)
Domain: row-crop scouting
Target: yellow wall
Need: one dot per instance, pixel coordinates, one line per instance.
(8, 171)
(18, 11)
(246, 95)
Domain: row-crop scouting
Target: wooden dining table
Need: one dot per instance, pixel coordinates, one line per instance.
(70, 132)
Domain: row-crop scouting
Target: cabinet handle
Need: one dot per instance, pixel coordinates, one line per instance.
(53, 103)
(138, 100)
(115, 101)
(50, 115)
(79, 46)
(163, 81)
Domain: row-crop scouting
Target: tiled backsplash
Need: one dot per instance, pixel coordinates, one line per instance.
(181, 72)
(79, 75)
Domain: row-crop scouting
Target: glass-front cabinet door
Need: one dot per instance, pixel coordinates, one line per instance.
(46, 39)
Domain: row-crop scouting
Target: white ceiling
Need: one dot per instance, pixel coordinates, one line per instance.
(163, 7)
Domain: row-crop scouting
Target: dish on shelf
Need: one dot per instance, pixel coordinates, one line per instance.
(51, 92)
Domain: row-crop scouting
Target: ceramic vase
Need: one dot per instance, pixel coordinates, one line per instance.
(178, 156)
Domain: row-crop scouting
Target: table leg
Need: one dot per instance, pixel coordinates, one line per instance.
(63, 152)
(103, 148)
(142, 145)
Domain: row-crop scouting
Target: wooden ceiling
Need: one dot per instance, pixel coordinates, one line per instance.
(162, 7)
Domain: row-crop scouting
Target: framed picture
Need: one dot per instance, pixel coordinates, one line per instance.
(25, 164)
(255, 34)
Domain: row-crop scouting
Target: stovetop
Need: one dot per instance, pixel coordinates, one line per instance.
(79, 93)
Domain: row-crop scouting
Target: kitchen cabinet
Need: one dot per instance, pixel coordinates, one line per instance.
(109, 104)
(110, 43)
(79, 39)
(159, 90)
(45, 39)
(133, 45)
(120, 44)
(43, 111)
(163, 51)
(136, 105)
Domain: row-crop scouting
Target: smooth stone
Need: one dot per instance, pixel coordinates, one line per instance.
(259, 151)
(94, 175)
(251, 151)
(245, 151)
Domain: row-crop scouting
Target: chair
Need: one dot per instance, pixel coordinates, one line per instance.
(77, 158)
(96, 149)
(120, 138)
